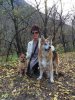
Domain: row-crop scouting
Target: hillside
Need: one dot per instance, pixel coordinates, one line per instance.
(26, 16)
(30, 14)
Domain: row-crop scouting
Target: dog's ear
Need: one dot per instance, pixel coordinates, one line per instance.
(51, 42)
(50, 39)
(42, 37)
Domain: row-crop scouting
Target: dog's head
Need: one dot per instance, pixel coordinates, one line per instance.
(22, 57)
(46, 43)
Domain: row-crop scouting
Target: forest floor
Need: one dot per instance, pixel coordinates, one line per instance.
(14, 87)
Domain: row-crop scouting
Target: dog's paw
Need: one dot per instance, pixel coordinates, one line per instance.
(39, 78)
(52, 81)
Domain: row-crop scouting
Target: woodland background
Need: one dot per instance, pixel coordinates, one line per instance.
(16, 19)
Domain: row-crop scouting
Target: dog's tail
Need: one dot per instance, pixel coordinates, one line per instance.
(57, 58)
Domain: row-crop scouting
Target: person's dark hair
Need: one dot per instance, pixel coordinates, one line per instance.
(35, 28)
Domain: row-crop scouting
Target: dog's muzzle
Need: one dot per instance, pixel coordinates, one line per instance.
(23, 61)
(47, 47)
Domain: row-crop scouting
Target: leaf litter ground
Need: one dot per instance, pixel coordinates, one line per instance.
(14, 87)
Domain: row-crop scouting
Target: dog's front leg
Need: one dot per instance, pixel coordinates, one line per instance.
(51, 72)
(41, 74)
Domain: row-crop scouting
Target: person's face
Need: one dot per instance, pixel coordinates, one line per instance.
(35, 35)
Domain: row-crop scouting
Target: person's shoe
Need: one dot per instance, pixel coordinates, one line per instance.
(36, 74)
(28, 74)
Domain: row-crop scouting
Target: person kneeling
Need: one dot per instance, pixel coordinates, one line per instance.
(32, 52)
